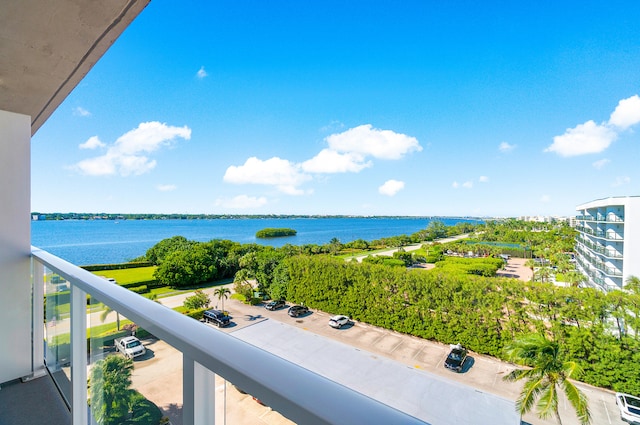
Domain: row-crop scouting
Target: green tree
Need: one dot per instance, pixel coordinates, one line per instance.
(575, 278)
(157, 253)
(197, 301)
(547, 374)
(110, 392)
(187, 267)
(222, 293)
(532, 265)
(242, 284)
(633, 284)
(113, 401)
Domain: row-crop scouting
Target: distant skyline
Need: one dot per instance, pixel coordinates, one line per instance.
(497, 109)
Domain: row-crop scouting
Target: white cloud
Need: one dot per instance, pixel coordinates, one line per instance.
(365, 140)
(620, 181)
(583, 139)
(81, 112)
(483, 179)
(124, 156)
(627, 113)
(347, 153)
(149, 137)
(598, 165)
(275, 171)
(92, 143)
(135, 165)
(506, 147)
(545, 199)
(594, 138)
(330, 161)
(166, 187)
(391, 187)
(98, 166)
(242, 202)
(202, 73)
(466, 185)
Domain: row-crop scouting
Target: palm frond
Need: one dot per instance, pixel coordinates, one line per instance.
(578, 400)
(530, 392)
(548, 402)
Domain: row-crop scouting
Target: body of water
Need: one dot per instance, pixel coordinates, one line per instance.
(85, 242)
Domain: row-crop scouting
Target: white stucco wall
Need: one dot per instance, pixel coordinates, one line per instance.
(15, 246)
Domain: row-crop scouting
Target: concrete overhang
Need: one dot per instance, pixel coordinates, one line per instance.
(47, 47)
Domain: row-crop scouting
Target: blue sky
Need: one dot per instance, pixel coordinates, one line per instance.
(352, 107)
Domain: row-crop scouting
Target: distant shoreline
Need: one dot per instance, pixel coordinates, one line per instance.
(38, 216)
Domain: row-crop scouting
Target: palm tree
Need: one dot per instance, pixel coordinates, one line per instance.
(575, 278)
(548, 374)
(105, 313)
(222, 293)
(633, 284)
(532, 265)
(110, 389)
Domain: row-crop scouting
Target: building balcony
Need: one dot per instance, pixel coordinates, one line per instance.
(607, 235)
(613, 218)
(598, 249)
(208, 355)
(601, 218)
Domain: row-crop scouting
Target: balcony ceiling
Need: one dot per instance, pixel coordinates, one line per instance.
(47, 47)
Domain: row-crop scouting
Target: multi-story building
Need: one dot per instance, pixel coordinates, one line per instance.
(608, 241)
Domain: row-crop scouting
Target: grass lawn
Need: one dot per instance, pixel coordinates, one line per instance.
(127, 276)
(132, 276)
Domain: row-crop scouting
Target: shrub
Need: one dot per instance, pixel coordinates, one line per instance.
(197, 301)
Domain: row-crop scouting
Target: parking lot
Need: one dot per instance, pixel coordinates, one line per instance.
(159, 376)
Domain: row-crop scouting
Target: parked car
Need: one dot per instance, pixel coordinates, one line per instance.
(339, 321)
(216, 317)
(629, 408)
(130, 346)
(298, 310)
(455, 359)
(275, 305)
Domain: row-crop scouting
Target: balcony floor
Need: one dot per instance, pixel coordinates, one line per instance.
(32, 402)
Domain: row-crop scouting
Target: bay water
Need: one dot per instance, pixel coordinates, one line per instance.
(84, 242)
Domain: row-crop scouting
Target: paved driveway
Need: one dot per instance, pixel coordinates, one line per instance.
(159, 376)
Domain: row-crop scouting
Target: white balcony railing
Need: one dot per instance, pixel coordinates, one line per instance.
(206, 352)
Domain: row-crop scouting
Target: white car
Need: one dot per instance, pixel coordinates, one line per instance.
(130, 346)
(339, 321)
(629, 408)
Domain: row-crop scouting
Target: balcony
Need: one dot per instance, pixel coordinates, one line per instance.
(613, 218)
(601, 218)
(207, 355)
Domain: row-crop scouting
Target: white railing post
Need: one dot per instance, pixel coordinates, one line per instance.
(37, 306)
(198, 393)
(205, 393)
(188, 389)
(78, 356)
